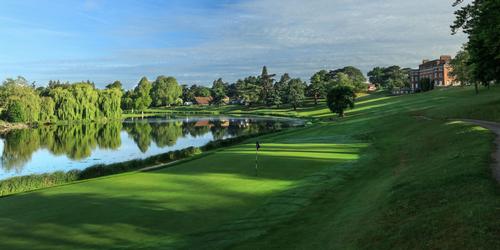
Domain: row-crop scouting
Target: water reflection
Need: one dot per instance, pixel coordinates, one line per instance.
(64, 147)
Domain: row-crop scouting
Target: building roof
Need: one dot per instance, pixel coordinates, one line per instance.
(202, 100)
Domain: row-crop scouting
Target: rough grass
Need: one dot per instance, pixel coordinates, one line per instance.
(395, 174)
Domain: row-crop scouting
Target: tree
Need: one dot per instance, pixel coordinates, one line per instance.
(461, 69)
(395, 77)
(47, 109)
(65, 104)
(425, 84)
(340, 98)
(16, 111)
(377, 76)
(142, 94)
(10, 87)
(218, 91)
(266, 91)
(110, 103)
(20, 96)
(232, 91)
(317, 88)
(201, 90)
(128, 100)
(86, 97)
(296, 93)
(188, 94)
(479, 19)
(340, 79)
(116, 84)
(356, 76)
(248, 90)
(274, 97)
(165, 91)
(281, 88)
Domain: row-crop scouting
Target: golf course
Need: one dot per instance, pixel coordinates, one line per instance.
(397, 172)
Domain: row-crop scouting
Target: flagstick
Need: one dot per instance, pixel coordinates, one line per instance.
(256, 162)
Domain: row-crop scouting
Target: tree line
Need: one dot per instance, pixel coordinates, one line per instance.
(264, 89)
(21, 101)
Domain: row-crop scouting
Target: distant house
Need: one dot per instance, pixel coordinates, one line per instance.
(372, 87)
(188, 103)
(203, 123)
(202, 100)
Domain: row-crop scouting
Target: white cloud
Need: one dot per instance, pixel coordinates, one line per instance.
(295, 36)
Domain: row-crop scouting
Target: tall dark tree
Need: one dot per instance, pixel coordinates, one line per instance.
(249, 90)
(281, 88)
(187, 93)
(232, 91)
(377, 76)
(296, 92)
(317, 88)
(218, 91)
(266, 82)
(116, 84)
(128, 100)
(200, 90)
(480, 20)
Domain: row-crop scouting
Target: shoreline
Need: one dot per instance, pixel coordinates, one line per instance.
(6, 127)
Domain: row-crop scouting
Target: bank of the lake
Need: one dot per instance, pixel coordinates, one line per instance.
(51, 155)
(6, 127)
(382, 178)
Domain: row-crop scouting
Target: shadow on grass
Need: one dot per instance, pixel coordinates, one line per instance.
(89, 221)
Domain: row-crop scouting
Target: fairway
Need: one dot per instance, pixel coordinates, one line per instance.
(395, 173)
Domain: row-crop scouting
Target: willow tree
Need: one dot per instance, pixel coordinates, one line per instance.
(21, 102)
(86, 97)
(47, 109)
(110, 103)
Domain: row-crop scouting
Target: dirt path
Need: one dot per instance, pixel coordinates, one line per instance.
(495, 128)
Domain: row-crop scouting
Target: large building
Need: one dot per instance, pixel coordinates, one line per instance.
(436, 70)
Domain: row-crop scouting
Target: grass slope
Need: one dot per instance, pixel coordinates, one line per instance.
(396, 173)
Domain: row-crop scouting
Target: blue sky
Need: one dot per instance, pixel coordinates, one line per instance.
(198, 41)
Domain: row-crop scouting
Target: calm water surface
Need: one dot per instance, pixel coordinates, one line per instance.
(77, 146)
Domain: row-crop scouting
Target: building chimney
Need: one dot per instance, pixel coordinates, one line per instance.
(445, 58)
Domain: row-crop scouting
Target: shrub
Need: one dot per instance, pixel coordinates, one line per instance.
(426, 84)
(16, 112)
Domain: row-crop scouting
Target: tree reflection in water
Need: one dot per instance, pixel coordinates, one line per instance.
(78, 141)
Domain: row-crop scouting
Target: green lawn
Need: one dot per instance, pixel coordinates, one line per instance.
(394, 174)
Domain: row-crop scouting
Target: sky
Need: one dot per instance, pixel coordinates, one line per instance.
(198, 41)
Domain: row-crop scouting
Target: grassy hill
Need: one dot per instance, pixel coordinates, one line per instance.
(395, 173)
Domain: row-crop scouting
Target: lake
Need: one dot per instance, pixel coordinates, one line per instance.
(51, 148)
